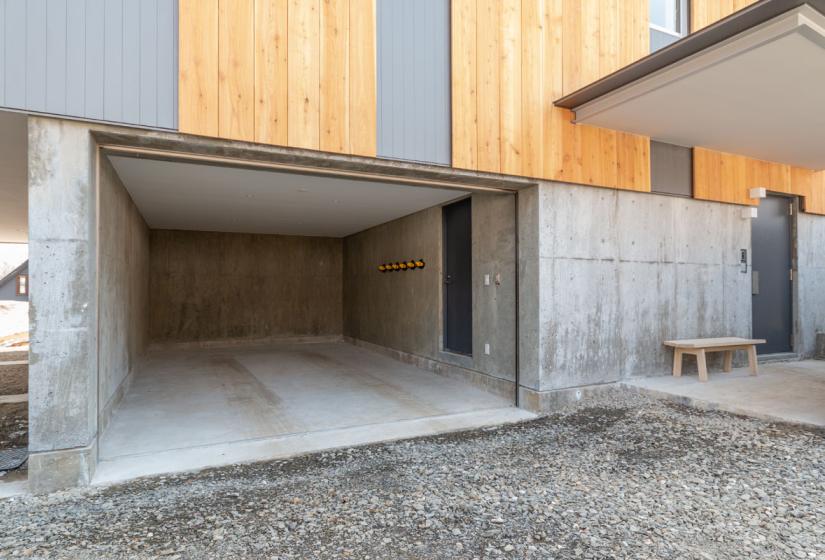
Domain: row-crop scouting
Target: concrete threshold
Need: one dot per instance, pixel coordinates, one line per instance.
(122, 468)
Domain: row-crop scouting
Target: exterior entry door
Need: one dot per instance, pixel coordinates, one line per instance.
(771, 275)
(458, 278)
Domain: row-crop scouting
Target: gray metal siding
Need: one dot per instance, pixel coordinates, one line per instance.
(112, 60)
(414, 113)
(671, 169)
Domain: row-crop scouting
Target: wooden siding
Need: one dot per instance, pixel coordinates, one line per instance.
(512, 58)
(299, 73)
(111, 60)
(705, 12)
(724, 177)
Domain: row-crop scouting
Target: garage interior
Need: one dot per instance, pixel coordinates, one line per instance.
(243, 315)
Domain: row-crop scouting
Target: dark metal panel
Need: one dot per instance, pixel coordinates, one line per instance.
(458, 277)
(413, 58)
(167, 72)
(671, 169)
(772, 262)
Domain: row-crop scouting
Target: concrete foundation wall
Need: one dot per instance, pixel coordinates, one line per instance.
(124, 289)
(810, 282)
(63, 304)
(619, 272)
(223, 286)
(402, 310)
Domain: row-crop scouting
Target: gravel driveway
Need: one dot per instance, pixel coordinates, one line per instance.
(622, 477)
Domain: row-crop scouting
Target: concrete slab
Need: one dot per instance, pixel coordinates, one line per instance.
(787, 392)
(188, 409)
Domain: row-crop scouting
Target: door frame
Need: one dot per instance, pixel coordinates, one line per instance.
(795, 205)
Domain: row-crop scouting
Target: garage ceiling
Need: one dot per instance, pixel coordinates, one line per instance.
(190, 196)
(14, 182)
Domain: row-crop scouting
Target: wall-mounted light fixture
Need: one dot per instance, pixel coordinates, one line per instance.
(759, 192)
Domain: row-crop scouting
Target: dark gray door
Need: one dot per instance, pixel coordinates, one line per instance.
(458, 278)
(771, 246)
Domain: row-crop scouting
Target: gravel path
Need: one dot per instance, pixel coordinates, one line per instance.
(622, 477)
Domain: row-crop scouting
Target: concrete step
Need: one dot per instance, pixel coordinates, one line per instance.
(14, 377)
(776, 358)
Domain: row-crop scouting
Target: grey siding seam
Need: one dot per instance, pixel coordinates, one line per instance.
(99, 60)
(413, 70)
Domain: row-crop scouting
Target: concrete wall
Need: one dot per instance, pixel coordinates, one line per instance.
(222, 286)
(616, 274)
(63, 305)
(124, 289)
(810, 313)
(402, 311)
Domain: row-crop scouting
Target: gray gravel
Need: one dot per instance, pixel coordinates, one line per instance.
(621, 477)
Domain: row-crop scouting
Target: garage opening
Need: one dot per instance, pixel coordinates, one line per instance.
(250, 313)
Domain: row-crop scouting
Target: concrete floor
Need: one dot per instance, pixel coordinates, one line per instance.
(787, 391)
(187, 409)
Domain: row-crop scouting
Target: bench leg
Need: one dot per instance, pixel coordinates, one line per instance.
(752, 360)
(703, 365)
(677, 362)
(728, 367)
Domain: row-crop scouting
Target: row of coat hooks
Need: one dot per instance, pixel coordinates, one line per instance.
(402, 265)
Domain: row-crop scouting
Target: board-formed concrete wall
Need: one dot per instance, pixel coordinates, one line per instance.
(608, 275)
(810, 313)
(208, 286)
(402, 310)
(124, 289)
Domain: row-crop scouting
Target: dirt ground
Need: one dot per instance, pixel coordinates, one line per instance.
(14, 380)
(14, 425)
(620, 477)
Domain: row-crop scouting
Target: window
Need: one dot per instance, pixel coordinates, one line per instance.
(671, 169)
(668, 22)
(22, 284)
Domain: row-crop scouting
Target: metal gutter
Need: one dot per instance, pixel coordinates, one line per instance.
(724, 29)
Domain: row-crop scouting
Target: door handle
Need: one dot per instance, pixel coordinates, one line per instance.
(448, 279)
(754, 282)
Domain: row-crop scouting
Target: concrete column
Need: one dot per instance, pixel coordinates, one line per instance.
(810, 303)
(63, 305)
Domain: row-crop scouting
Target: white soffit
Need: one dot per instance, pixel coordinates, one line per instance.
(760, 93)
(190, 196)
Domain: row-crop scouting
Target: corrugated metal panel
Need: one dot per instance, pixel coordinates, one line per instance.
(413, 41)
(113, 60)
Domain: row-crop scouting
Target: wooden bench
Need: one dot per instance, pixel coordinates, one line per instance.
(700, 347)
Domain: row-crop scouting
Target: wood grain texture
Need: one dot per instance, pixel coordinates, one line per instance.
(706, 12)
(527, 54)
(723, 177)
(236, 69)
(334, 100)
(198, 67)
(464, 83)
(299, 73)
(271, 64)
(304, 74)
(362, 68)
